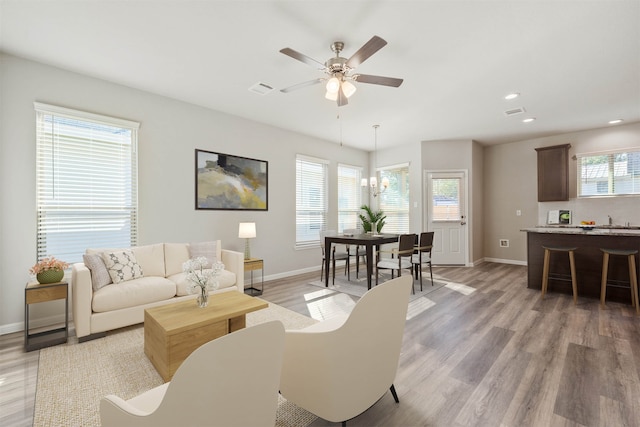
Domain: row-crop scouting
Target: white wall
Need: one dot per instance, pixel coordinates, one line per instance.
(170, 131)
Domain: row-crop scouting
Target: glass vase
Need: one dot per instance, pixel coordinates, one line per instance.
(203, 298)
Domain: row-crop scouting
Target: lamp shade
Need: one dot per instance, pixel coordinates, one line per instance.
(247, 230)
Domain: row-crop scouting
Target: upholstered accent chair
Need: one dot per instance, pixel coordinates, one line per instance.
(338, 368)
(230, 381)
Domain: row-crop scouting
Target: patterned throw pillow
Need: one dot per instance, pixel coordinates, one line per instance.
(99, 274)
(205, 249)
(122, 266)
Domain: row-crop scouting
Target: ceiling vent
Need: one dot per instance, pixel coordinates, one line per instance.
(514, 111)
(261, 88)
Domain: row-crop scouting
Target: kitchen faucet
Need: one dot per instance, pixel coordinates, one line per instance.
(610, 220)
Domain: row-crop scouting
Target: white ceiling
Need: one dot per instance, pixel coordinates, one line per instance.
(575, 63)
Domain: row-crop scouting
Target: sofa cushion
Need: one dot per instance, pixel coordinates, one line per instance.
(122, 266)
(204, 249)
(175, 254)
(133, 293)
(151, 259)
(226, 279)
(99, 274)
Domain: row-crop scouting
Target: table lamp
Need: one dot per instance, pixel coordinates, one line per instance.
(247, 230)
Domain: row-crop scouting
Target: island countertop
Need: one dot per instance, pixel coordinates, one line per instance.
(588, 257)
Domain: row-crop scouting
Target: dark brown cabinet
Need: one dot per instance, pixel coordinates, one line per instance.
(553, 173)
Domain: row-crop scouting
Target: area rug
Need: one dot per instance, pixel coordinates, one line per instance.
(357, 287)
(72, 378)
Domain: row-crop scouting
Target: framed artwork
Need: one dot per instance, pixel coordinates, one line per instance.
(226, 182)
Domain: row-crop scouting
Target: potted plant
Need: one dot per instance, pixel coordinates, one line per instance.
(372, 218)
(49, 270)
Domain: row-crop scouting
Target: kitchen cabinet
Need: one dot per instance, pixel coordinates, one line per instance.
(553, 173)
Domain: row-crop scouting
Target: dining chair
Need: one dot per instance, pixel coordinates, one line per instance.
(358, 252)
(335, 255)
(422, 255)
(400, 257)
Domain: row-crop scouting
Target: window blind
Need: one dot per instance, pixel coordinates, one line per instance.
(311, 200)
(86, 167)
(609, 173)
(349, 196)
(394, 201)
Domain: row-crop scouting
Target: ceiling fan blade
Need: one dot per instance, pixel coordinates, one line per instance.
(342, 98)
(378, 80)
(302, 58)
(301, 85)
(369, 48)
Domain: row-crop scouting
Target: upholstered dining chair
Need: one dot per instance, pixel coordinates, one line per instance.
(422, 255)
(338, 368)
(340, 255)
(400, 256)
(355, 250)
(213, 386)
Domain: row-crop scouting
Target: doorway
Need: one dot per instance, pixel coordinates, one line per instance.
(446, 215)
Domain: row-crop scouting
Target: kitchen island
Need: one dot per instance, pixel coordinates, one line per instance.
(588, 258)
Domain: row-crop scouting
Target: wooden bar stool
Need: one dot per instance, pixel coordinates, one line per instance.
(555, 276)
(633, 278)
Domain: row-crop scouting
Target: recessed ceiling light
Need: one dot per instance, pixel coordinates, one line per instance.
(513, 95)
(529, 120)
(615, 122)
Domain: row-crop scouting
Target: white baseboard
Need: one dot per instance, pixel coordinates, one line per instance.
(506, 261)
(10, 328)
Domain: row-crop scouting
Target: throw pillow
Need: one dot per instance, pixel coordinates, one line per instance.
(122, 266)
(205, 249)
(99, 274)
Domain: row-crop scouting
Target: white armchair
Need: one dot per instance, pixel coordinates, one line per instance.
(208, 387)
(338, 368)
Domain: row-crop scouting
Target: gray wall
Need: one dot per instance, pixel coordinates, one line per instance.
(510, 175)
(170, 131)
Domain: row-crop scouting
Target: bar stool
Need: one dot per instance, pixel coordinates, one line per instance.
(555, 276)
(633, 279)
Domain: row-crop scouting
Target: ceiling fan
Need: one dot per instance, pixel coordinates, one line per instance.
(340, 71)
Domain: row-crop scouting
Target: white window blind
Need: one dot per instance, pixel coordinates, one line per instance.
(394, 201)
(311, 200)
(610, 173)
(86, 167)
(349, 196)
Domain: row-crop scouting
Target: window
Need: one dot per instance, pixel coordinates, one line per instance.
(394, 201)
(613, 173)
(311, 200)
(349, 196)
(86, 168)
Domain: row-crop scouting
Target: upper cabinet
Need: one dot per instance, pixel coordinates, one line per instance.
(553, 173)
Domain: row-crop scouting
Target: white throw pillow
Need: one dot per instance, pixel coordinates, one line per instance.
(122, 266)
(99, 274)
(205, 249)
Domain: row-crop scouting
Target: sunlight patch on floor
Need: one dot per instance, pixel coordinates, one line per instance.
(309, 296)
(331, 306)
(459, 287)
(419, 305)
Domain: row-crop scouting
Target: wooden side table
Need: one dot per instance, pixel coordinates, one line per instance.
(252, 264)
(35, 293)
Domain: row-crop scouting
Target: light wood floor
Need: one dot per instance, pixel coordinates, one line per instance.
(486, 351)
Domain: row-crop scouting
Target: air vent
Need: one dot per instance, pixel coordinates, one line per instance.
(514, 111)
(261, 88)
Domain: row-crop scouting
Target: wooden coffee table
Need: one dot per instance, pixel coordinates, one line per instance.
(173, 331)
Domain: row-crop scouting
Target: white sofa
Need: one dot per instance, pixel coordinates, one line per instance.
(97, 310)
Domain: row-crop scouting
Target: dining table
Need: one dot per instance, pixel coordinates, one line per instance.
(369, 241)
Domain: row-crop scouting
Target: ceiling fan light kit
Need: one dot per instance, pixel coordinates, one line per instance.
(339, 84)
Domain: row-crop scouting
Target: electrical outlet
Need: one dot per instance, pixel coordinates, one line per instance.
(518, 212)
(504, 243)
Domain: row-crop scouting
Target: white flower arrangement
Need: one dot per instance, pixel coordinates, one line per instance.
(202, 278)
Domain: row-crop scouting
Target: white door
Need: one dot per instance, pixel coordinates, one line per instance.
(446, 216)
